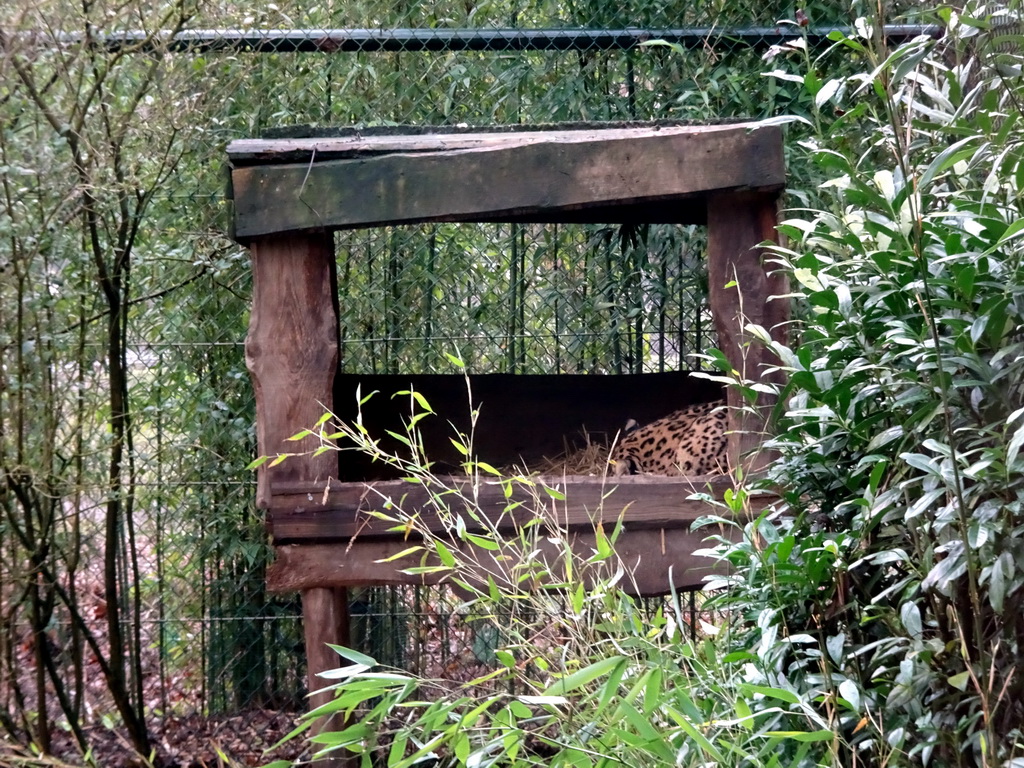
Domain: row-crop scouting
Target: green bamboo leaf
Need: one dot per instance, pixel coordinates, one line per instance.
(343, 673)
(400, 438)
(946, 159)
(960, 680)
(417, 417)
(652, 692)
(583, 676)
(851, 693)
(488, 468)
(772, 693)
(1011, 232)
(548, 701)
(604, 547)
(803, 735)
(353, 656)
(399, 555)
(461, 747)
(419, 570)
(257, 463)
(610, 689)
(444, 554)
(398, 747)
(744, 714)
(690, 730)
(480, 541)
(505, 658)
(663, 44)
(577, 598)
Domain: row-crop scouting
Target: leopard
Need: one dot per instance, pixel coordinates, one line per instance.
(690, 441)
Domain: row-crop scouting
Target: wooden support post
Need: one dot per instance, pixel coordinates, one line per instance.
(292, 355)
(737, 222)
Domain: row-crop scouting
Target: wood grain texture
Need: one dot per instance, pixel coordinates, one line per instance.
(655, 561)
(541, 176)
(291, 351)
(242, 152)
(316, 512)
(741, 291)
(325, 619)
(292, 354)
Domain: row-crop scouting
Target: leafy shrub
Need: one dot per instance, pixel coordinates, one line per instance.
(581, 674)
(897, 558)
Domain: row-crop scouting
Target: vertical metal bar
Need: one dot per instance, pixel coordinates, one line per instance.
(371, 287)
(513, 293)
(693, 615)
(158, 395)
(523, 283)
(428, 310)
(681, 303)
(631, 84)
(393, 304)
(557, 284)
(663, 303)
(613, 295)
(344, 288)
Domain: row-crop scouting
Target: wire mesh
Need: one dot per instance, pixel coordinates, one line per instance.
(523, 298)
(191, 551)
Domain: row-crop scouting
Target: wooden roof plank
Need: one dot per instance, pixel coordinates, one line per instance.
(304, 149)
(488, 177)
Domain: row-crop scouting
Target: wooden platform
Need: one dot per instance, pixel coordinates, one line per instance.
(325, 536)
(289, 195)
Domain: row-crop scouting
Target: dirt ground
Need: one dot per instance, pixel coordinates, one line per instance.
(222, 741)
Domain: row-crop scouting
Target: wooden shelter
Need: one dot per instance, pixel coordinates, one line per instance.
(291, 194)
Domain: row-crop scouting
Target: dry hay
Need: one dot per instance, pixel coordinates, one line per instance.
(591, 459)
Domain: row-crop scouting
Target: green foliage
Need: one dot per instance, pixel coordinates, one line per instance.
(872, 611)
(883, 585)
(149, 130)
(580, 675)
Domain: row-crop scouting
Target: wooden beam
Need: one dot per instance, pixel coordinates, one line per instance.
(655, 562)
(310, 512)
(292, 352)
(744, 289)
(292, 355)
(284, 150)
(325, 618)
(545, 174)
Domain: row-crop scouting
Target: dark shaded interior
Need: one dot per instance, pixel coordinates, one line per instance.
(523, 418)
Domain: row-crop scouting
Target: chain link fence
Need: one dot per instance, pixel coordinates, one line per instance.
(541, 299)
(506, 298)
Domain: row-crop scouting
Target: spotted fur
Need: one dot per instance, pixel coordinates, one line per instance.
(690, 441)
